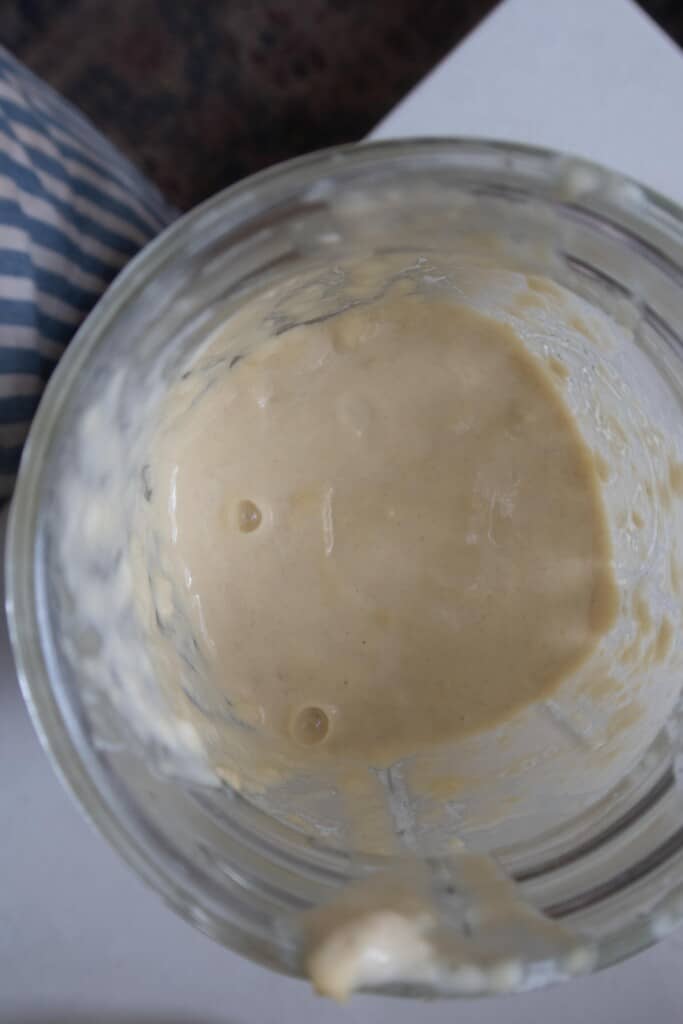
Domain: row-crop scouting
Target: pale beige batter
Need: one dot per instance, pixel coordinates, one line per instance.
(384, 529)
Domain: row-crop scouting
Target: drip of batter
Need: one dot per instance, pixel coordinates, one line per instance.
(382, 530)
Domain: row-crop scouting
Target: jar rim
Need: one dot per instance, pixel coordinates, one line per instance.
(656, 221)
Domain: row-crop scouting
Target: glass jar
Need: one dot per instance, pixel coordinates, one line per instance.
(612, 869)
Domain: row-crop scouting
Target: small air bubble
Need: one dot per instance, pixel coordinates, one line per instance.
(248, 516)
(311, 725)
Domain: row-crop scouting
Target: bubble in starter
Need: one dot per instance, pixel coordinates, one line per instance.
(310, 726)
(248, 516)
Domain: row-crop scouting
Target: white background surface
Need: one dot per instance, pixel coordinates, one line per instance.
(81, 939)
(596, 78)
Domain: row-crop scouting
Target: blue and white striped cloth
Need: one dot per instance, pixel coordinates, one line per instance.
(73, 211)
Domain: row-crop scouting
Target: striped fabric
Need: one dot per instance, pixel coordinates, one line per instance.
(73, 211)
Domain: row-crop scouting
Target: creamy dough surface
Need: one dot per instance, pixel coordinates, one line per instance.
(384, 529)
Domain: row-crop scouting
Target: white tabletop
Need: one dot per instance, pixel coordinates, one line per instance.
(81, 939)
(596, 78)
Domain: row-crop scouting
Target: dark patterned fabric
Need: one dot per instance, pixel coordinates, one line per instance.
(201, 92)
